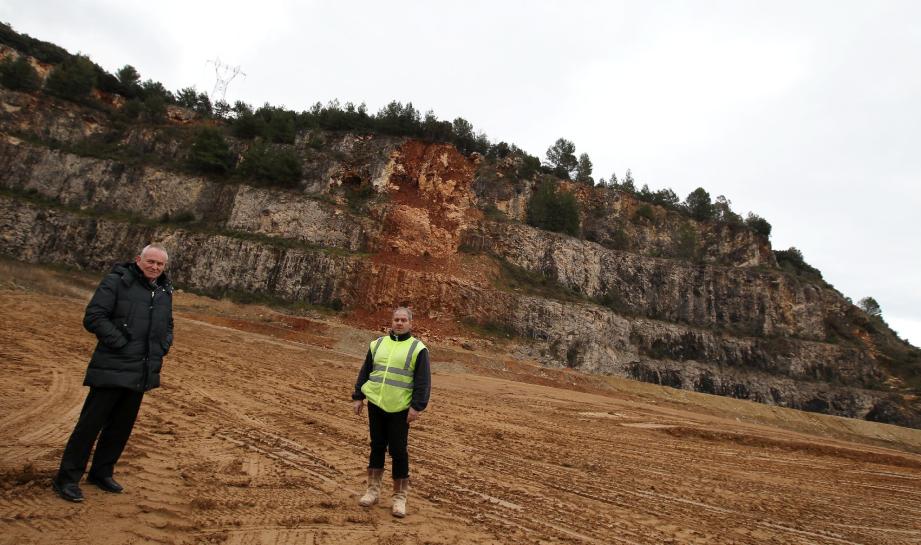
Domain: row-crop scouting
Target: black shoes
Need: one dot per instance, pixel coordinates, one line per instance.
(68, 491)
(106, 483)
(72, 492)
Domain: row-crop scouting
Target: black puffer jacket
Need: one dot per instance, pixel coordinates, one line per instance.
(133, 320)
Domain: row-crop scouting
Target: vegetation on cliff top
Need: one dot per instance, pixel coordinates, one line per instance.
(19, 75)
(74, 76)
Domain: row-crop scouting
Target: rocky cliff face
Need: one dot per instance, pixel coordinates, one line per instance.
(631, 301)
(743, 300)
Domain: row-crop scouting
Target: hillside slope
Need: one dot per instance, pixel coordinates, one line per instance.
(251, 440)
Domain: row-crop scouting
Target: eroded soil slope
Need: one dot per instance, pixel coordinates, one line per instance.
(251, 440)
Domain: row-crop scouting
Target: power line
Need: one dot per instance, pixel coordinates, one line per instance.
(223, 75)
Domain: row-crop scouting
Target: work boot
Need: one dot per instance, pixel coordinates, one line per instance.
(400, 488)
(373, 493)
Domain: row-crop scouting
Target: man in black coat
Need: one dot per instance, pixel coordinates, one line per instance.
(131, 313)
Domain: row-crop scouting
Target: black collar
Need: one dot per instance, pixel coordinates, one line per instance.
(401, 337)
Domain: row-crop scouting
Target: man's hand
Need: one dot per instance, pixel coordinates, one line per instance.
(359, 405)
(412, 415)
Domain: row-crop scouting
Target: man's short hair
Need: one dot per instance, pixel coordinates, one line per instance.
(408, 312)
(158, 247)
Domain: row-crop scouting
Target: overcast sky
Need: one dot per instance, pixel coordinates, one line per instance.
(807, 113)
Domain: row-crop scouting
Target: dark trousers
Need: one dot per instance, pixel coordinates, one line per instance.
(389, 430)
(112, 412)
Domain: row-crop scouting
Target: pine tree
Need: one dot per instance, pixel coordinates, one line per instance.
(758, 224)
(627, 184)
(870, 306)
(129, 79)
(699, 205)
(561, 158)
(584, 170)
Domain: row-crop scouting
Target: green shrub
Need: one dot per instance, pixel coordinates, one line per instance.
(272, 166)
(530, 166)
(495, 151)
(209, 152)
(758, 224)
(666, 197)
(246, 124)
(132, 109)
(151, 88)
(198, 102)
(395, 118)
(515, 278)
(316, 141)
(645, 212)
(269, 122)
(334, 118)
(280, 125)
(19, 75)
(106, 82)
(154, 109)
(791, 260)
(72, 79)
(554, 210)
(151, 109)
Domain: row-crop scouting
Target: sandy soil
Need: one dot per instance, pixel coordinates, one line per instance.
(251, 440)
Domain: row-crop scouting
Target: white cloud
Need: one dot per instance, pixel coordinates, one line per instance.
(907, 328)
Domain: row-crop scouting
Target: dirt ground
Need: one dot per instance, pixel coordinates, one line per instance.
(251, 440)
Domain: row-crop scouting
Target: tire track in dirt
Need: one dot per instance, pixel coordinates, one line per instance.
(657, 502)
(31, 512)
(286, 452)
(510, 472)
(56, 389)
(38, 418)
(251, 441)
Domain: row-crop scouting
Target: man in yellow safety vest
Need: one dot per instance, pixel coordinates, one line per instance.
(396, 381)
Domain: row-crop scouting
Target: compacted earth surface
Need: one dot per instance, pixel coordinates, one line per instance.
(252, 440)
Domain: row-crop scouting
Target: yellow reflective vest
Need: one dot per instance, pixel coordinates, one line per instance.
(390, 385)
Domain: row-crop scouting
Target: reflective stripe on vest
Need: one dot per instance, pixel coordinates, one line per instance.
(397, 370)
(391, 382)
(390, 385)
